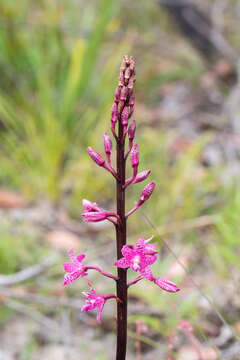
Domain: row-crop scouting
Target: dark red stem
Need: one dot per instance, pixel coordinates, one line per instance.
(121, 240)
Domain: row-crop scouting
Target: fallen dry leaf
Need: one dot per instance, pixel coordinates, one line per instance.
(11, 200)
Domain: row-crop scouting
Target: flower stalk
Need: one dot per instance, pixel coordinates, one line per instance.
(141, 255)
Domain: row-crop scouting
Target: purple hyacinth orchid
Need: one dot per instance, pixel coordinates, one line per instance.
(139, 256)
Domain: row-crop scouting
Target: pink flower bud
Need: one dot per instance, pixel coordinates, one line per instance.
(124, 93)
(147, 191)
(127, 73)
(121, 79)
(114, 113)
(95, 216)
(116, 95)
(89, 206)
(132, 99)
(134, 157)
(132, 63)
(141, 176)
(107, 143)
(166, 285)
(96, 157)
(124, 116)
(131, 130)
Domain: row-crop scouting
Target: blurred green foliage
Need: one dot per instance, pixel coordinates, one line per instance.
(54, 88)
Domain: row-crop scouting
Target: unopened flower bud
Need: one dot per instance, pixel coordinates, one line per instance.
(166, 285)
(134, 157)
(142, 176)
(96, 157)
(131, 130)
(90, 206)
(114, 113)
(107, 143)
(132, 99)
(124, 93)
(95, 216)
(121, 79)
(132, 63)
(124, 116)
(116, 95)
(127, 73)
(147, 191)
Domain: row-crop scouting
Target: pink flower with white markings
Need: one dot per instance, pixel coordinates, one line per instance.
(93, 301)
(75, 269)
(136, 259)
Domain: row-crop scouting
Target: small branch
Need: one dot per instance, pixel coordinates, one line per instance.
(135, 281)
(132, 211)
(104, 273)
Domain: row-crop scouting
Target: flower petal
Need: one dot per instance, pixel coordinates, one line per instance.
(100, 312)
(122, 263)
(69, 267)
(80, 257)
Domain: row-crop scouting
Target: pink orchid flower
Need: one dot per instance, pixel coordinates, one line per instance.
(75, 269)
(136, 259)
(93, 301)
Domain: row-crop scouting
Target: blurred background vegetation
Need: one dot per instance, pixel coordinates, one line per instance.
(59, 65)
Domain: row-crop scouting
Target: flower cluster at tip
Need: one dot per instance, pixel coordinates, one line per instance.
(139, 257)
(122, 110)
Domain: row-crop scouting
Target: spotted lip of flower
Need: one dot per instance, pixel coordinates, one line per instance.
(135, 259)
(93, 301)
(75, 269)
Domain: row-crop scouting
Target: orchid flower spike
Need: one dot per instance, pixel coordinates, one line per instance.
(75, 269)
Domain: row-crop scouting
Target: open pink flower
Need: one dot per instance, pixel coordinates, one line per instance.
(93, 301)
(75, 269)
(136, 259)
